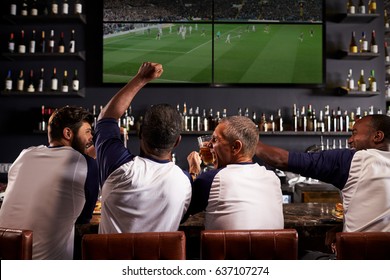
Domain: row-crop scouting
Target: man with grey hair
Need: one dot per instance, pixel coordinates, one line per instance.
(237, 193)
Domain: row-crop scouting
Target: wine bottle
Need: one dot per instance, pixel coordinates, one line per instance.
(42, 44)
(350, 81)
(361, 7)
(24, 9)
(22, 43)
(61, 43)
(32, 44)
(372, 82)
(351, 9)
(11, 43)
(65, 83)
(41, 83)
(65, 7)
(363, 43)
(51, 42)
(352, 45)
(13, 9)
(75, 81)
(54, 80)
(78, 7)
(373, 44)
(20, 83)
(372, 7)
(361, 82)
(43, 124)
(72, 43)
(8, 81)
(387, 57)
(34, 8)
(30, 86)
(54, 7)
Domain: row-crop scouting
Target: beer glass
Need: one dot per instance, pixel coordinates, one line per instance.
(205, 153)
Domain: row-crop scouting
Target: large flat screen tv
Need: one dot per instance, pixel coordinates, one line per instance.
(216, 42)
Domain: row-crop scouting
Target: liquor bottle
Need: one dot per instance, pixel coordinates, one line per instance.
(30, 86)
(246, 112)
(11, 43)
(279, 121)
(386, 20)
(78, 7)
(295, 117)
(302, 125)
(41, 83)
(61, 43)
(131, 120)
(333, 118)
(358, 114)
(205, 121)
(373, 44)
(22, 43)
(51, 42)
(34, 8)
(361, 7)
(351, 9)
(43, 124)
(372, 86)
(190, 120)
(54, 7)
(372, 7)
(353, 48)
(184, 123)
(24, 9)
(346, 121)
(210, 119)
(327, 119)
(33, 43)
(13, 9)
(350, 81)
(20, 83)
(263, 123)
(197, 122)
(387, 56)
(320, 122)
(95, 116)
(309, 120)
(42, 44)
(54, 80)
(361, 82)
(271, 125)
(254, 117)
(217, 118)
(65, 82)
(363, 43)
(8, 81)
(65, 7)
(75, 81)
(72, 43)
(340, 120)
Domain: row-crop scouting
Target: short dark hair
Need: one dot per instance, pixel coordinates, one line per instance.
(382, 123)
(68, 116)
(161, 127)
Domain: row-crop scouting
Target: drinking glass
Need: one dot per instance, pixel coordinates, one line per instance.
(205, 153)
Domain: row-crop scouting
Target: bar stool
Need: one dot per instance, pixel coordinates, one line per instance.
(135, 246)
(249, 244)
(15, 244)
(363, 245)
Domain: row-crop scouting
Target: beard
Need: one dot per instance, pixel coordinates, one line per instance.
(78, 145)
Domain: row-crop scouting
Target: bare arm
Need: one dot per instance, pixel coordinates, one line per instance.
(272, 155)
(118, 104)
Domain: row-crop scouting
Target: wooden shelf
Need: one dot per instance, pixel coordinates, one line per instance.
(80, 93)
(44, 56)
(45, 19)
(357, 56)
(353, 18)
(356, 93)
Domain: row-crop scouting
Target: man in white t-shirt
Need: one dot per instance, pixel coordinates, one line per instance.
(238, 193)
(146, 192)
(50, 187)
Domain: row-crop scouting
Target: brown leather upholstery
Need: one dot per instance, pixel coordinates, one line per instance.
(249, 244)
(15, 244)
(135, 246)
(363, 245)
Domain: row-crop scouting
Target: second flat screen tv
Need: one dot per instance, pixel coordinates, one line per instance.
(217, 43)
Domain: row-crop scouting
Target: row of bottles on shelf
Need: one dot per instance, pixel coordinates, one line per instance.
(364, 46)
(361, 82)
(32, 45)
(37, 84)
(304, 119)
(362, 7)
(42, 7)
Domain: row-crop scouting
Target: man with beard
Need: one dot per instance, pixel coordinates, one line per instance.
(50, 187)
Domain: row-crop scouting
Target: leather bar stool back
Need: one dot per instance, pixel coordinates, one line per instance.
(249, 244)
(15, 244)
(135, 246)
(363, 245)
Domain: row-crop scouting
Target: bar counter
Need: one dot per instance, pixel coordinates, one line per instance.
(311, 220)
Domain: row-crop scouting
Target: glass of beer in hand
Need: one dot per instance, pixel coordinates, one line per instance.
(204, 152)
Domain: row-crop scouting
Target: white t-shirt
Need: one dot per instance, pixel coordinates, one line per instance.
(45, 194)
(144, 195)
(245, 196)
(366, 195)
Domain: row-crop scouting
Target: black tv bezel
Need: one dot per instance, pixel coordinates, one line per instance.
(156, 84)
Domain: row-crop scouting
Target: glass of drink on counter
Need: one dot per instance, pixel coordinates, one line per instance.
(205, 153)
